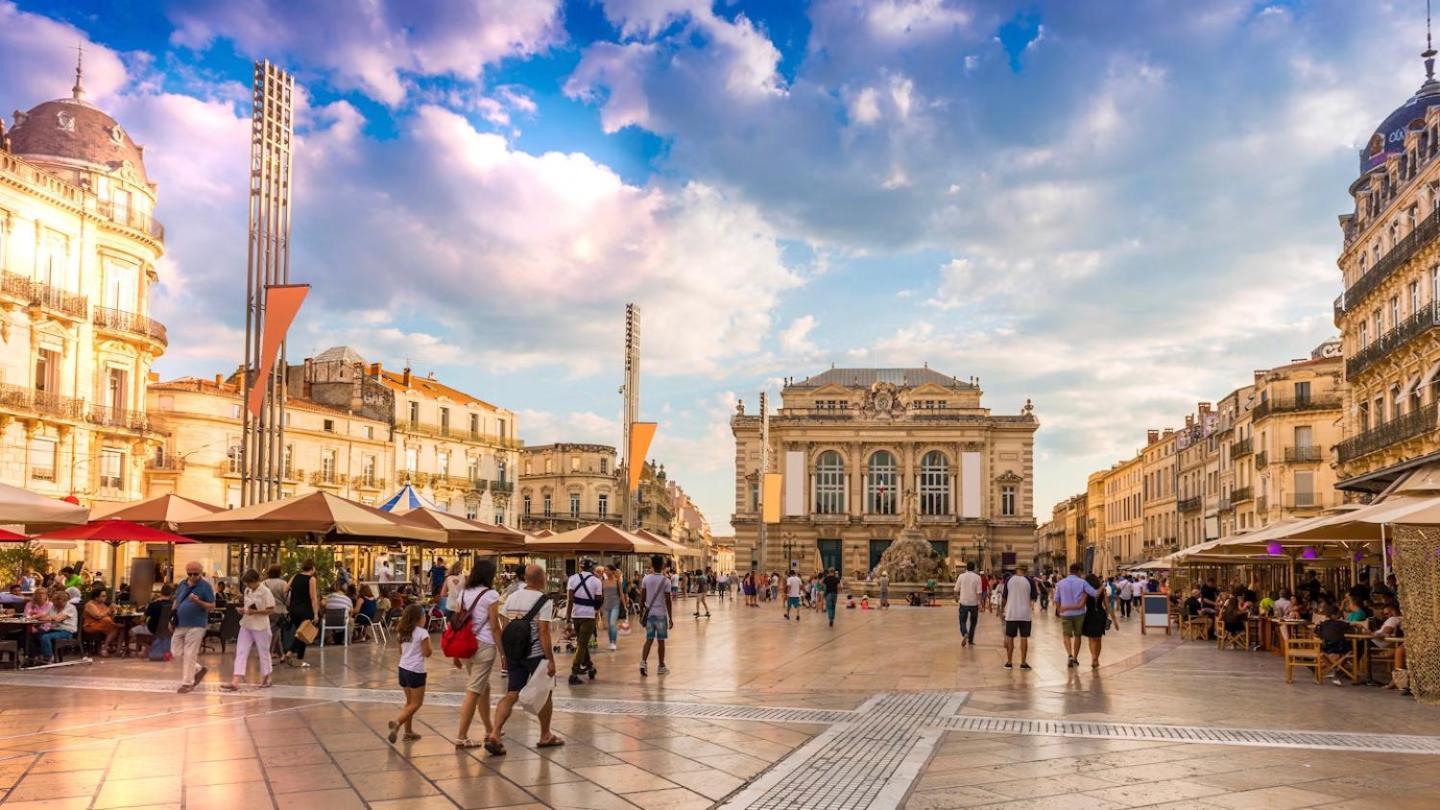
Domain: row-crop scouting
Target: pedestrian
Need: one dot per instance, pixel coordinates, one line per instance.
(525, 643)
(280, 619)
(1127, 593)
(1071, 594)
(832, 593)
(703, 581)
(969, 587)
(793, 586)
(774, 591)
(613, 603)
(438, 573)
(479, 598)
(1096, 622)
(453, 585)
(1042, 584)
(722, 585)
(659, 615)
(194, 599)
(257, 605)
(585, 591)
(985, 590)
(1015, 598)
(414, 649)
(884, 590)
(304, 607)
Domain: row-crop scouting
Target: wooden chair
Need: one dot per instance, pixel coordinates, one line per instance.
(1226, 640)
(1195, 628)
(1382, 654)
(10, 651)
(1303, 653)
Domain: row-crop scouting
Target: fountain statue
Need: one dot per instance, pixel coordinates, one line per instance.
(911, 558)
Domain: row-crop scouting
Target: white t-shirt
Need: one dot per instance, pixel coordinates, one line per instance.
(592, 588)
(259, 598)
(479, 611)
(967, 587)
(453, 586)
(412, 654)
(1017, 599)
(1282, 607)
(70, 618)
(652, 590)
(518, 604)
(1393, 623)
(793, 586)
(1127, 589)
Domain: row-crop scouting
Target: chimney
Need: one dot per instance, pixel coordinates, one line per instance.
(219, 379)
(1168, 433)
(1189, 420)
(405, 377)
(1152, 436)
(1204, 407)
(375, 369)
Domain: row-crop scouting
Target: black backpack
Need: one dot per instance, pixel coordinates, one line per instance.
(515, 639)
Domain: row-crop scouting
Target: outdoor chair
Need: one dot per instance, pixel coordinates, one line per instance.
(10, 651)
(1303, 653)
(337, 620)
(1348, 666)
(363, 622)
(1195, 628)
(1225, 640)
(64, 645)
(1381, 655)
(225, 632)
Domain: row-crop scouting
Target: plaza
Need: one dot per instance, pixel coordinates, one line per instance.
(884, 710)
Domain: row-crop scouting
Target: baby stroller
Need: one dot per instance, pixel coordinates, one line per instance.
(562, 633)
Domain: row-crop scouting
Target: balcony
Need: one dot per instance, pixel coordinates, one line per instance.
(1403, 250)
(564, 519)
(321, 478)
(1417, 324)
(130, 323)
(457, 482)
(1226, 505)
(506, 487)
(164, 464)
(1302, 454)
(119, 419)
(1262, 503)
(1274, 405)
(17, 399)
(1310, 500)
(1406, 426)
(130, 218)
(1262, 458)
(1241, 494)
(44, 296)
(1240, 448)
(441, 431)
(1190, 504)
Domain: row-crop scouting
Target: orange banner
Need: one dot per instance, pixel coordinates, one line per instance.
(641, 434)
(282, 304)
(771, 506)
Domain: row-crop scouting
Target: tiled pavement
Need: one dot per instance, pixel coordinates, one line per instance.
(316, 740)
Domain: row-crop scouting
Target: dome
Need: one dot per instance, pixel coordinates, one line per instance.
(1389, 138)
(72, 129)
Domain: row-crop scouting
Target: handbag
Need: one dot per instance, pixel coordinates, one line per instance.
(307, 632)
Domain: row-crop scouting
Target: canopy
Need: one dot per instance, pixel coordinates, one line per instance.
(1162, 564)
(1277, 543)
(673, 548)
(37, 511)
(160, 512)
(543, 533)
(406, 499)
(462, 533)
(316, 518)
(597, 538)
(12, 537)
(114, 532)
(1368, 522)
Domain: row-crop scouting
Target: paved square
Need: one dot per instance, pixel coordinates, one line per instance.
(885, 710)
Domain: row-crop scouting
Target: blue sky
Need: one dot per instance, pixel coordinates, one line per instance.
(1115, 208)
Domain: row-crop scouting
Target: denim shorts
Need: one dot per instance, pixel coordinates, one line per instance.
(657, 627)
(411, 680)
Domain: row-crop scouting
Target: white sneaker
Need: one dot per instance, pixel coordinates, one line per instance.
(663, 670)
(612, 647)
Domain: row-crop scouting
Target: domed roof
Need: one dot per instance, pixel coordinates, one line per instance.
(1389, 137)
(73, 129)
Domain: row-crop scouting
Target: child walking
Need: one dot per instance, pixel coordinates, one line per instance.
(414, 649)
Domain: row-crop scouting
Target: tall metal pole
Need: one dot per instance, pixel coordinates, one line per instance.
(267, 263)
(631, 392)
(762, 535)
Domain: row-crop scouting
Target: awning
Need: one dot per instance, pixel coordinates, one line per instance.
(1408, 388)
(37, 512)
(318, 518)
(1430, 374)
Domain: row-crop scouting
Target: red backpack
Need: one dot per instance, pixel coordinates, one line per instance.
(458, 640)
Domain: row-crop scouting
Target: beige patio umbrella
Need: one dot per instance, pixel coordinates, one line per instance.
(318, 518)
(598, 538)
(37, 512)
(674, 549)
(165, 512)
(463, 533)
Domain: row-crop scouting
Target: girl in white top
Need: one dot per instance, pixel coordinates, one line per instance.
(414, 649)
(454, 584)
(257, 604)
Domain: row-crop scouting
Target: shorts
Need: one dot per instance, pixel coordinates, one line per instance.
(411, 680)
(657, 628)
(1071, 626)
(1014, 628)
(479, 668)
(516, 675)
(793, 601)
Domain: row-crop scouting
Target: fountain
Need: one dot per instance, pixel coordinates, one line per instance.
(910, 561)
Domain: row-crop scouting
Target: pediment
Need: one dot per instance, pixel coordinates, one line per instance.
(1009, 477)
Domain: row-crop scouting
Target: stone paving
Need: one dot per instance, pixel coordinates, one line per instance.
(885, 710)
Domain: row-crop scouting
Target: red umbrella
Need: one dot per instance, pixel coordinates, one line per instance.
(12, 537)
(114, 532)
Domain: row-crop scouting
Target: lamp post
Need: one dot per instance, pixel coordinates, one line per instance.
(788, 545)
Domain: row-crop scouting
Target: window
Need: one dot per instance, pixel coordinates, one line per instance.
(1007, 500)
(474, 425)
(370, 431)
(112, 468)
(574, 463)
(288, 470)
(412, 458)
(1304, 488)
(1379, 411)
(527, 467)
(232, 454)
(880, 482)
(1414, 297)
(368, 476)
(545, 505)
(328, 426)
(1302, 392)
(42, 458)
(472, 469)
(234, 410)
(1377, 324)
(445, 421)
(602, 504)
(442, 462)
(548, 466)
(47, 371)
(575, 506)
(1304, 436)
(525, 505)
(1364, 414)
(1394, 311)
(934, 484)
(604, 466)
(500, 472)
(1435, 284)
(414, 413)
(1396, 401)
(327, 466)
(116, 389)
(501, 425)
(829, 484)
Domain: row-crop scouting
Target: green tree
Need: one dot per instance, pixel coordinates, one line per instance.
(15, 561)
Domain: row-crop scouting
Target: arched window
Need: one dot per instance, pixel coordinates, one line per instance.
(880, 484)
(829, 484)
(934, 484)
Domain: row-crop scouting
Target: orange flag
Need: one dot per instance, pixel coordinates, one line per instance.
(282, 304)
(641, 434)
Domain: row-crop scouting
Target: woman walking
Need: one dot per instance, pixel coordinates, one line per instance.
(304, 607)
(414, 649)
(1095, 623)
(280, 630)
(702, 581)
(479, 598)
(257, 606)
(613, 602)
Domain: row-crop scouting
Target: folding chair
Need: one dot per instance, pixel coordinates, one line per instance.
(1303, 653)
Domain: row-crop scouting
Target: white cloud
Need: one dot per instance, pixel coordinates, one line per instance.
(795, 338)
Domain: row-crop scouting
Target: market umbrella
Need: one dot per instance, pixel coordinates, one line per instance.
(671, 547)
(12, 537)
(406, 499)
(463, 533)
(542, 534)
(317, 518)
(38, 512)
(597, 538)
(166, 511)
(114, 532)
(1369, 522)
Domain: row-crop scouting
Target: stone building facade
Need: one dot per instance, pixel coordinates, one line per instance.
(79, 252)
(565, 486)
(863, 452)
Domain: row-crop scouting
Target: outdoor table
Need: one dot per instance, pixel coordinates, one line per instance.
(1360, 650)
(21, 625)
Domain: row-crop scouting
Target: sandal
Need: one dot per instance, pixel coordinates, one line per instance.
(229, 687)
(265, 684)
(466, 742)
(553, 742)
(394, 732)
(495, 748)
(410, 736)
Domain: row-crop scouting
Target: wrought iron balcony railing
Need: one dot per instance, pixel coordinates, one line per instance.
(1241, 494)
(1419, 322)
(1406, 426)
(1306, 453)
(46, 296)
(1240, 448)
(1261, 459)
(18, 399)
(1403, 250)
(118, 320)
(119, 419)
(1273, 405)
(130, 218)
(1190, 504)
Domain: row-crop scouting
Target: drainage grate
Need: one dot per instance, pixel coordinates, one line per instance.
(703, 711)
(1322, 740)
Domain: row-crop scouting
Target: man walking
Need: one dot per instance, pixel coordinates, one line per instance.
(967, 591)
(1015, 598)
(1127, 593)
(1070, 595)
(586, 592)
(194, 599)
(527, 603)
(832, 593)
(793, 586)
(659, 618)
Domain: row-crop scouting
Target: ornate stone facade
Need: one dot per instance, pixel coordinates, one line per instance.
(866, 451)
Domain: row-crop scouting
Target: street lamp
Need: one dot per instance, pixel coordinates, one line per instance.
(788, 545)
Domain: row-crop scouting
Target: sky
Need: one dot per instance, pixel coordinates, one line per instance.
(1115, 208)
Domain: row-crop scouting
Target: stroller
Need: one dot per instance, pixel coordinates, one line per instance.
(562, 633)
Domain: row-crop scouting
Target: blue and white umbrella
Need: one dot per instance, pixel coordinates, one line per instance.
(406, 499)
